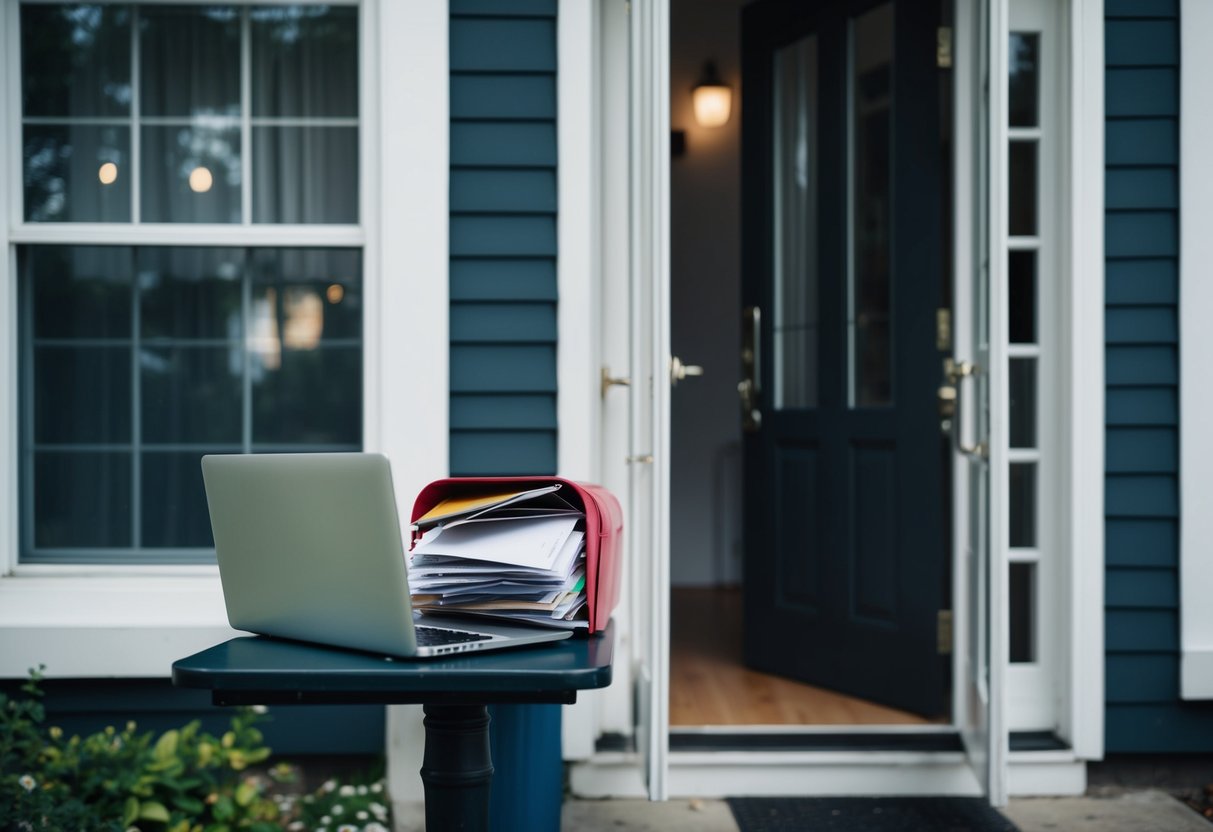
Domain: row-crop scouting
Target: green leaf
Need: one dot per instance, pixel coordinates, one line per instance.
(246, 792)
(153, 811)
(189, 805)
(166, 747)
(130, 811)
(224, 809)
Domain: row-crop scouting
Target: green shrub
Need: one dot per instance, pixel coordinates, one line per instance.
(185, 780)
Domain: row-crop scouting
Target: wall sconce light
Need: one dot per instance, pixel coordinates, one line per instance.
(711, 98)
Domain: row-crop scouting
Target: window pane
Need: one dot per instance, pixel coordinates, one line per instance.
(190, 293)
(82, 394)
(330, 275)
(190, 174)
(1023, 189)
(1023, 61)
(1023, 612)
(1023, 505)
(76, 60)
(1023, 402)
(305, 174)
(795, 238)
(79, 291)
(870, 299)
(311, 396)
(77, 173)
(174, 512)
(192, 394)
(1021, 266)
(305, 61)
(189, 60)
(82, 499)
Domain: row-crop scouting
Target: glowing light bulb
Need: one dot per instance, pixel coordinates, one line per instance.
(201, 180)
(108, 173)
(335, 293)
(712, 104)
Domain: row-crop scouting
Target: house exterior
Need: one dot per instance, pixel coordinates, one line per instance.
(506, 252)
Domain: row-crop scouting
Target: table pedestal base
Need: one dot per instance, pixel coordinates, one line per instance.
(457, 769)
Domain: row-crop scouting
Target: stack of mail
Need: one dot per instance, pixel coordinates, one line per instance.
(518, 555)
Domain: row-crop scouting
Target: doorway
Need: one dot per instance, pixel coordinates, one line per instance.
(810, 563)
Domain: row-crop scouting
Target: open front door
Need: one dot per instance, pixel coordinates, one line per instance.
(977, 387)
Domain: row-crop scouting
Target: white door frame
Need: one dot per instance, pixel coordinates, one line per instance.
(1080, 686)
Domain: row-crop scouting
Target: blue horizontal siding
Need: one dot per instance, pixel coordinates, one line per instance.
(503, 144)
(1141, 588)
(503, 236)
(494, 96)
(518, 323)
(1142, 234)
(498, 8)
(1114, 9)
(1141, 631)
(502, 453)
(1142, 91)
(1138, 141)
(503, 280)
(1142, 678)
(497, 44)
(1141, 365)
(1142, 281)
(1142, 325)
(1142, 42)
(1142, 450)
(511, 411)
(1142, 188)
(1141, 495)
(503, 369)
(503, 191)
(1164, 728)
(1141, 542)
(1129, 406)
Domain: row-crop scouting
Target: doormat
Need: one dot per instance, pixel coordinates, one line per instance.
(867, 814)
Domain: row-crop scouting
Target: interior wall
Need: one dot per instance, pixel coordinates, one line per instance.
(705, 228)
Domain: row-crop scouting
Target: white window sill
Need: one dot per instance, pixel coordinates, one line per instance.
(108, 625)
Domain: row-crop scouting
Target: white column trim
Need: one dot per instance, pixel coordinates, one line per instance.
(1195, 347)
(578, 277)
(1085, 431)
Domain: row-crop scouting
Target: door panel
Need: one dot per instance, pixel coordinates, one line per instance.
(845, 503)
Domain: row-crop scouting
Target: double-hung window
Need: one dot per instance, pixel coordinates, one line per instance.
(185, 257)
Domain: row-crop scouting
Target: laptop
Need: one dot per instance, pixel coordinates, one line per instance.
(309, 548)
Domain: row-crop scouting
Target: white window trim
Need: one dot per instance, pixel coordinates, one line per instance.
(1195, 347)
(135, 621)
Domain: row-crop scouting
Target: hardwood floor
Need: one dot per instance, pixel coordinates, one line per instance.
(709, 685)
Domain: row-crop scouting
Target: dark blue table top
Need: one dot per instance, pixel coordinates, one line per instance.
(260, 670)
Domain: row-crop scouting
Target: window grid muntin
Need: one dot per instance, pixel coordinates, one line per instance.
(135, 120)
(30, 553)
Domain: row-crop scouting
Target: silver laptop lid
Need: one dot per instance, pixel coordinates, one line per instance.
(309, 547)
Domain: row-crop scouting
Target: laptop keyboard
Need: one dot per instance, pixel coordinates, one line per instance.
(435, 636)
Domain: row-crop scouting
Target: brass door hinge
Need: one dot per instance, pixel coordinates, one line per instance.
(943, 632)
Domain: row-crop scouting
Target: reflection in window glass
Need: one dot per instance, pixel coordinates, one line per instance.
(1021, 311)
(1023, 505)
(76, 60)
(305, 61)
(191, 174)
(305, 174)
(1022, 384)
(795, 233)
(1023, 189)
(1023, 62)
(1023, 612)
(189, 60)
(870, 284)
(77, 173)
(231, 350)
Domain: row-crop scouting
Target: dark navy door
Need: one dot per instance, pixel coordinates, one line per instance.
(845, 506)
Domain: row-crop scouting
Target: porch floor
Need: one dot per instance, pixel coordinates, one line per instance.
(709, 684)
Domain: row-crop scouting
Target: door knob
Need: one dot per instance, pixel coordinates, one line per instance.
(679, 371)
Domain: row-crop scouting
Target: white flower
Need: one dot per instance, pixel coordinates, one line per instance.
(374, 827)
(346, 791)
(347, 827)
(28, 783)
(326, 820)
(329, 785)
(361, 815)
(378, 810)
(260, 709)
(377, 788)
(337, 809)
(362, 790)
(295, 826)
